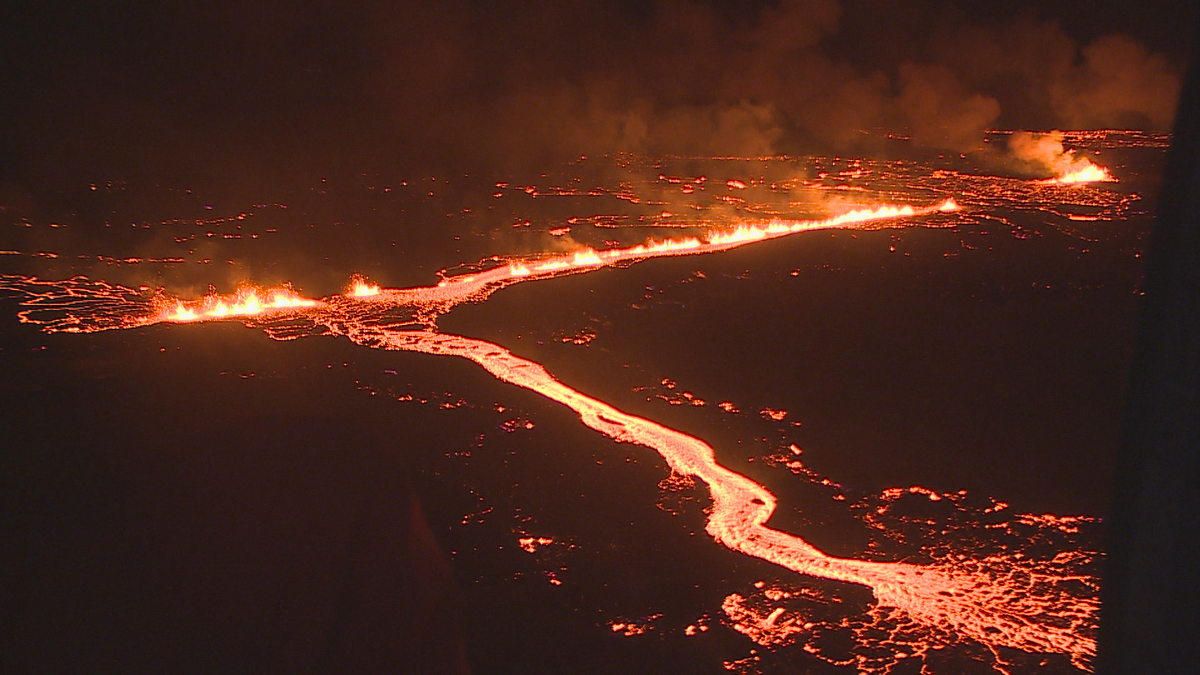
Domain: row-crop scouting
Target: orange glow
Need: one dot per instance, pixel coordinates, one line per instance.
(531, 544)
(997, 602)
(247, 301)
(1046, 151)
(360, 288)
(632, 628)
(475, 286)
(586, 258)
(778, 227)
(1082, 170)
(765, 628)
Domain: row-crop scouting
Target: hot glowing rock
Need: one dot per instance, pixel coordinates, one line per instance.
(360, 288)
(996, 602)
(246, 302)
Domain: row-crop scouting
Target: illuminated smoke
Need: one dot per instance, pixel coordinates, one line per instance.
(508, 86)
(1045, 152)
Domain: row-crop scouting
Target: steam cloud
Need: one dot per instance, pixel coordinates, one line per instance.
(686, 79)
(1044, 153)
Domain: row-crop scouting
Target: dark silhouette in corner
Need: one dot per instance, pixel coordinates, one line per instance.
(1149, 618)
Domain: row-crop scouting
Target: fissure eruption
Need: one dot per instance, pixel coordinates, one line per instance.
(1000, 603)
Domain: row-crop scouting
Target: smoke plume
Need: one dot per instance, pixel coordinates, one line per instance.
(1044, 153)
(192, 90)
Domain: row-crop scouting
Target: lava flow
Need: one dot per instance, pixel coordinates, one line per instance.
(1003, 605)
(997, 603)
(1046, 151)
(247, 301)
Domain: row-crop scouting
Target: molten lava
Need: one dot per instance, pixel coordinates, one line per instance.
(246, 302)
(999, 603)
(360, 288)
(1083, 170)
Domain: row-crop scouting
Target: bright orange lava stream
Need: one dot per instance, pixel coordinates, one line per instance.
(454, 290)
(993, 611)
(1024, 609)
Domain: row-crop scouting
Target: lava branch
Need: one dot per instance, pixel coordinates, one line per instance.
(1018, 609)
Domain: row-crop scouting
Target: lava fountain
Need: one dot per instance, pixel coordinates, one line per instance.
(474, 287)
(247, 301)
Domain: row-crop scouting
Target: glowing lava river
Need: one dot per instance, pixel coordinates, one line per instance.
(1020, 609)
(999, 603)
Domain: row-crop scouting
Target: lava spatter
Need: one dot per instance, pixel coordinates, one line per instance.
(248, 301)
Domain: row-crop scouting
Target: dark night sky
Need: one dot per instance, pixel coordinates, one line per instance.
(186, 91)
